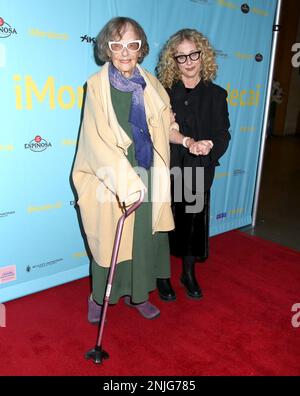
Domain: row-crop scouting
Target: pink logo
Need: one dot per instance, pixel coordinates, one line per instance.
(8, 274)
(2, 315)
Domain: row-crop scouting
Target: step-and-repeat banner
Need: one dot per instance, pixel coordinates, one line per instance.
(46, 56)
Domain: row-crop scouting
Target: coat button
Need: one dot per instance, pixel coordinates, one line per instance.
(186, 102)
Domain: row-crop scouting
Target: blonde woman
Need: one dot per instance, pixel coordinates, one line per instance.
(186, 69)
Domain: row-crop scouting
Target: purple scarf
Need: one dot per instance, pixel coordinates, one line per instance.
(137, 117)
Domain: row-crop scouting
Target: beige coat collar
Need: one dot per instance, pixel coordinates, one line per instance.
(154, 106)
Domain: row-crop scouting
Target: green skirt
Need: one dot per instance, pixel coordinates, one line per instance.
(150, 260)
(150, 253)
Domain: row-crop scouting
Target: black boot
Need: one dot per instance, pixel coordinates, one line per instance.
(165, 290)
(188, 278)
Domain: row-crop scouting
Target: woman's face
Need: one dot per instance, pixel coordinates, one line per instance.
(125, 59)
(190, 69)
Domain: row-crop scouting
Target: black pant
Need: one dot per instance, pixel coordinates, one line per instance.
(191, 234)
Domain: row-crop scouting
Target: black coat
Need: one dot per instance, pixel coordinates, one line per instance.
(201, 114)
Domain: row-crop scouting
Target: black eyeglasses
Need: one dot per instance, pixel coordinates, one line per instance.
(194, 56)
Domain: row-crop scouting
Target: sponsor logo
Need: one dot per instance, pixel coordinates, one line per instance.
(6, 214)
(296, 57)
(43, 208)
(231, 212)
(220, 175)
(247, 129)
(73, 204)
(258, 11)
(43, 265)
(5, 29)
(221, 216)
(245, 8)
(221, 54)
(88, 39)
(6, 147)
(259, 57)
(238, 172)
(78, 255)
(69, 142)
(237, 211)
(203, 2)
(228, 4)
(65, 96)
(49, 35)
(37, 144)
(8, 274)
(239, 55)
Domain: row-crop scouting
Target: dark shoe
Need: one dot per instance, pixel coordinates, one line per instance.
(94, 311)
(165, 290)
(188, 278)
(202, 259)
(146, 309)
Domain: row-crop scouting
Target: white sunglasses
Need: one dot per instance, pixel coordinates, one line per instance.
(118, 46)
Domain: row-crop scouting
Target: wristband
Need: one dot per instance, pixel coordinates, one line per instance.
(184, 141)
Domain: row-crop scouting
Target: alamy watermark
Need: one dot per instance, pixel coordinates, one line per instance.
(296, 317)
(121, 182)
(2, 315)
(296, 56)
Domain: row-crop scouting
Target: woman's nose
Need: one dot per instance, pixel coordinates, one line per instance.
(188, 60)
(124, 51)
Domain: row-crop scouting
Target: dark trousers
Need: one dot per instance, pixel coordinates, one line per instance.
(191, 234)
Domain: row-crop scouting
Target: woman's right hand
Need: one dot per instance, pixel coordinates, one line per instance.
(201, 147)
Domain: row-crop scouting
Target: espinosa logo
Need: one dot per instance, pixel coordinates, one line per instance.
(5, 29)
(37, 144)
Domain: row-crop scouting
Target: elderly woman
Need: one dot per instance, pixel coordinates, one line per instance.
(123, 149)
(186, 69)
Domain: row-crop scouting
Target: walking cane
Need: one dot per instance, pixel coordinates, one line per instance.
(97, 353)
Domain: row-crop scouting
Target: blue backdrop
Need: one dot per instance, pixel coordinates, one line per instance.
(46, 55)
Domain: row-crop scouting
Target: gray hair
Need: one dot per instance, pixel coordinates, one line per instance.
(114, 30)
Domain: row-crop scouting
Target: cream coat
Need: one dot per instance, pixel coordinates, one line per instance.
(103, 176)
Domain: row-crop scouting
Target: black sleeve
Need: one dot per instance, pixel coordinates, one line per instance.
(220, 125)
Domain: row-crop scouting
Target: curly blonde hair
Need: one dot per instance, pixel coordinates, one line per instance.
(167, 69)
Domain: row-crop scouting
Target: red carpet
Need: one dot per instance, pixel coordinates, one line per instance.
(242, 326)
